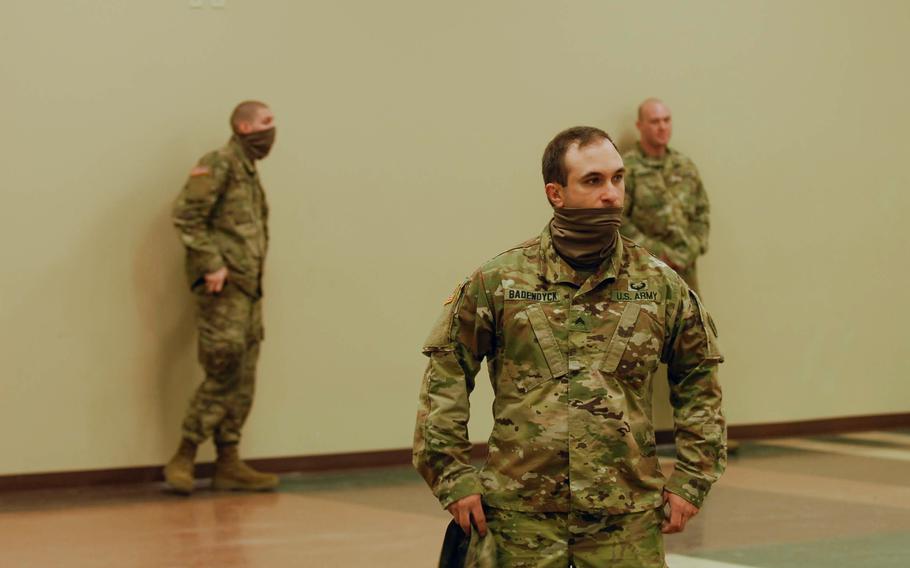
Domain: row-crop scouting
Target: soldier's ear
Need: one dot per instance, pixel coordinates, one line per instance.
(554, 194)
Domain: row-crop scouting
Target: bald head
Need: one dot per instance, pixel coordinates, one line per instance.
(655, 126)
(247, 113)
(651, 106)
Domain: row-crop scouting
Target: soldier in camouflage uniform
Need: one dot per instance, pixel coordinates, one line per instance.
(221, 216)
(666, 207)
(573, 324)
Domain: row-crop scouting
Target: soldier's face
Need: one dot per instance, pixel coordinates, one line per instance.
(655, 125)
(595, 178)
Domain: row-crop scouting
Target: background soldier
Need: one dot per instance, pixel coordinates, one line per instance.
(666, 205)
(221, 216)
(573, 324)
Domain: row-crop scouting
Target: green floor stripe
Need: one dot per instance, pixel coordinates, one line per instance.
(358, 479)
(873, 551)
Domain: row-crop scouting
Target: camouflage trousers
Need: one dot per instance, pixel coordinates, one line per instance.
(582, 540)
(230, 331)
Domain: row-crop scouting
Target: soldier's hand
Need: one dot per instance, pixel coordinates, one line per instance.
(680, 513)
(468, 507)
(214, 281)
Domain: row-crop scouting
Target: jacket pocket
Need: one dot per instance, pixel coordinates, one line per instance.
(620, 340)
(712, 350)
(440, 337)
(556, 360)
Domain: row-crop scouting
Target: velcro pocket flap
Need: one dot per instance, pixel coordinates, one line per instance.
(556, 360)
(713, 351)
(621, 336)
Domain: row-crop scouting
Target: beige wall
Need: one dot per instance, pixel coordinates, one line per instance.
(408, 150)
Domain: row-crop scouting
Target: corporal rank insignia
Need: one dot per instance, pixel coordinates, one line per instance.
(514, 294)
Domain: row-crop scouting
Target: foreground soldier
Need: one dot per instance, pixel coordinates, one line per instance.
(666, 205)
(221, 216)
(573, 324)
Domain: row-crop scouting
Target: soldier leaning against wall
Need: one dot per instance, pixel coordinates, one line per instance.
(222, 218)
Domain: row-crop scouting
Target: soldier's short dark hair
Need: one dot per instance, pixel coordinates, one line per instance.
(245, 112)
(554, 156)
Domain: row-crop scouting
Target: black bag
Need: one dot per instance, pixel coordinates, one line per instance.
(454, 547)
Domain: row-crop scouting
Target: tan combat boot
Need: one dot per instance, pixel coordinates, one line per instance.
(233, 474)
(178, 473)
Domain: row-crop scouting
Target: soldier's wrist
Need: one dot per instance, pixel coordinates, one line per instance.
(691, 489)
(213, 264)
(465, 486)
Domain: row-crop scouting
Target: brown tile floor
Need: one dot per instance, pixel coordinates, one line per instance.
(828, 502)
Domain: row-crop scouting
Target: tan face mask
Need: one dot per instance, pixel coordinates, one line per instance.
(257, 144)
(585, 237)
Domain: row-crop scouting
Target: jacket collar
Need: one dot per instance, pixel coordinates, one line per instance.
(237, 148)
(554, 269)
(650, 160)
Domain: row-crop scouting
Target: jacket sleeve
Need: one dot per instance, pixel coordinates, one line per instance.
(692, 359)
(193, 210)
(688, 245)
(459, 341)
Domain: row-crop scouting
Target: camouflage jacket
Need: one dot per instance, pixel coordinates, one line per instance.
(571, 365)
(666, 208)
(222, 218)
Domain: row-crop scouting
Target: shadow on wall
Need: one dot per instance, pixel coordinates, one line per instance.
(167, 316)
(123, 377)
(626, 136)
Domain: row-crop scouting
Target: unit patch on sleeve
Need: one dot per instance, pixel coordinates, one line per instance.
(452, 296)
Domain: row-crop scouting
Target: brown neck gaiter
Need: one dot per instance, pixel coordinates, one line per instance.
(257, 144)
(585, 237)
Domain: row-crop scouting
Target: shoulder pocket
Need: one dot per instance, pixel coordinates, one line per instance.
(440, 338)
(707, 323)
